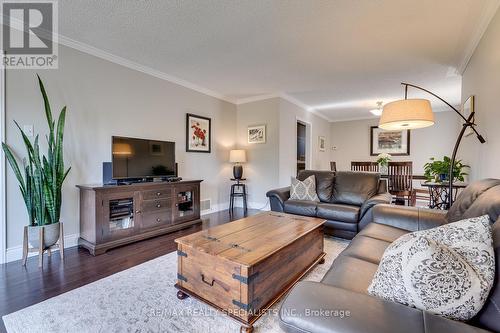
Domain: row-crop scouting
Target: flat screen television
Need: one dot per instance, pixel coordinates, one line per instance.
(141, 158)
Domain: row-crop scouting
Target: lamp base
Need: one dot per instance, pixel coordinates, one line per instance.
(237, 171)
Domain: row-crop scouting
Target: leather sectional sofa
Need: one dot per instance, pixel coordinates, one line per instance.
(346, 200)
(344, 287)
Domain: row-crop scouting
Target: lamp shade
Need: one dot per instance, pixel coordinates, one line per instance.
(122, 149)
(237, 156)
(407, 114)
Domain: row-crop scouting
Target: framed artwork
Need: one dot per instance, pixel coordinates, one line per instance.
(321, 143)
(467, 109)
(257, 134)
(396, 143)
(198, 134)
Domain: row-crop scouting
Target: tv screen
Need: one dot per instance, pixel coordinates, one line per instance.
(141, 158)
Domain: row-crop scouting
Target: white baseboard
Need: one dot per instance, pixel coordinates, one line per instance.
(238, 203)
(215, 208)
(16, 252)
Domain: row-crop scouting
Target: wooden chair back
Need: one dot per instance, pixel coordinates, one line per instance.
(400, 176)
(333, 166)
(364, 166)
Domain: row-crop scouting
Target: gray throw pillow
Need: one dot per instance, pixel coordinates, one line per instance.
(304, 190)
(448, 270)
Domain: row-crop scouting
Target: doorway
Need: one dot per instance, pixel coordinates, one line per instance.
(301, 146)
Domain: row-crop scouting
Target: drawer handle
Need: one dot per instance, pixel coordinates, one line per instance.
(158, 220)
(158, 205)
(211, 284)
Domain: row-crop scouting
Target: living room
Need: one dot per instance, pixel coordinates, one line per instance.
(217, 91)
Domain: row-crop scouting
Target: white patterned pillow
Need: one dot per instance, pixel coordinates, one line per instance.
(448, 270)
(304, 190)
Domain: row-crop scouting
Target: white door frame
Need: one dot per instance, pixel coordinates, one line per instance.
(3, 178)
(308, 142)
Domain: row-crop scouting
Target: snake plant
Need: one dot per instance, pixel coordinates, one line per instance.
(42, 177)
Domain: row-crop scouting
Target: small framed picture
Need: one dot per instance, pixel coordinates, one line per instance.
(198, 134)
(321, 143)
(467, 109)
(396, 143)
(257, 134)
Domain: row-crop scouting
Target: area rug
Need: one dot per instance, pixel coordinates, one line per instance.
(141, 299)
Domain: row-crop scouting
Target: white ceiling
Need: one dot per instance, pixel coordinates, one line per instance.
(338, 57)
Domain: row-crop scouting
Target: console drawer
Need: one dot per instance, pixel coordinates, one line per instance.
(155, 205)
(156, 219)
(157, 194)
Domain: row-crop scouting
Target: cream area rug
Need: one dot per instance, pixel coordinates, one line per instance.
(142, 299)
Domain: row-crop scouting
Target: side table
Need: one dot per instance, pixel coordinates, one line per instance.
(238, 190)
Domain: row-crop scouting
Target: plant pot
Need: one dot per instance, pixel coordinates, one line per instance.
(51, 235)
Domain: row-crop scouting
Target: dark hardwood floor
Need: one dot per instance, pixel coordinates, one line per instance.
(24, 286)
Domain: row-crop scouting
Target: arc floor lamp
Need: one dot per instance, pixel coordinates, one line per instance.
(417, 113)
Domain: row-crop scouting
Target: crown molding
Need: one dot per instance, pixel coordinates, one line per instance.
(489, 11)
(306, 107)
(66, 41)
(287, 98)
(256, 98)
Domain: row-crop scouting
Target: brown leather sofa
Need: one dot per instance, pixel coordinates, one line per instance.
(344, 287)
(346, 200)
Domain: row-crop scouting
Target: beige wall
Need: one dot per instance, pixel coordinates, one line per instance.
(271, 165)
(352, 139)
(262, 165)
(289, 114)
(106, 99)
(482, 79)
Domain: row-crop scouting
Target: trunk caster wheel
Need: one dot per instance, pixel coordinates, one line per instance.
(181, 295)
(246, 329)
(322, 261)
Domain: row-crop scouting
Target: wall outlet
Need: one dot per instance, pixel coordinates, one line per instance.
(28, 129)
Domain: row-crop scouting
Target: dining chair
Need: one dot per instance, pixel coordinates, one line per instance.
(333, 166)
(400, 178)
(364, 166)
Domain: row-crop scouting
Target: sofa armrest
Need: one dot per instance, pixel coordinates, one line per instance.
(409, 218)
(365, 214)
(320, 308)
(277, 198)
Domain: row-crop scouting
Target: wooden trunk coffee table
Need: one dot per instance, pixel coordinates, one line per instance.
(242, 268)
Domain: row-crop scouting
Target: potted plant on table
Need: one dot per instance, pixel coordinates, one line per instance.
(383, 162)
(438, 170)
(41, 179)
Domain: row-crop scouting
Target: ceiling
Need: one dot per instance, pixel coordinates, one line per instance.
(337, 57)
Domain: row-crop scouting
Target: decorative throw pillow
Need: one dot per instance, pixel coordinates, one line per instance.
(304, 190)
(448, 270)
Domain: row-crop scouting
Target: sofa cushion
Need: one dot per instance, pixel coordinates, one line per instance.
(338, 212)
(350, 273)
(382, 232)
(304, 190)
(324, 183)
(448, 270)
(489, 316)
(366, 248)
(300, 207)
(354, 188)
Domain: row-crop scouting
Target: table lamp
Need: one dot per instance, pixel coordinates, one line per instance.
(237, 156)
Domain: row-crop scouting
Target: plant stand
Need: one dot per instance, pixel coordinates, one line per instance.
(41, 249)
